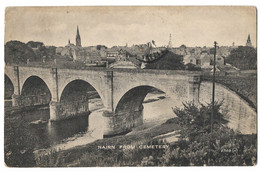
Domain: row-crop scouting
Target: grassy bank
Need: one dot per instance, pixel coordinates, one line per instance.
(91, 155)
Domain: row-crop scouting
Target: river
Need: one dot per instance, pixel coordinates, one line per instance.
(24, 137)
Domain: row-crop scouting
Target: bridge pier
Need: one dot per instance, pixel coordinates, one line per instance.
(16, 100)
(121, 123)
(61, 110)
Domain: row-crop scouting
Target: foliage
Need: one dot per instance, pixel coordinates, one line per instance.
(99, 47)
(48, 52)
(243, 58)
(183, 46)
(199, 146)
(192, 67)
(18, 52)
(168, 61)
(226, 149)
(34, 44)
(197, 119)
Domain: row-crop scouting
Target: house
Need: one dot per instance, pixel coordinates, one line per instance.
(111, 54)
(88, 57)
(190, 58)
(203, 60)
(115, 54)
(220, 60)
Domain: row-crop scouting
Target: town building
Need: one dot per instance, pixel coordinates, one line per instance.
(204, 59)
(115, 54)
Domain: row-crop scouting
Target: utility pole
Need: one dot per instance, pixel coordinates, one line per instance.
(213, 101)
(213, 87)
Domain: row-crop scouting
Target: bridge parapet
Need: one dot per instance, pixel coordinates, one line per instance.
(129, 70)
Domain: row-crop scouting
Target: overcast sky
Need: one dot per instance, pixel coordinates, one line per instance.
(192, 26)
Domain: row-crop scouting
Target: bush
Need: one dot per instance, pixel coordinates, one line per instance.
(192, 67)
(199, 146)
(226, 149)
(197, 120)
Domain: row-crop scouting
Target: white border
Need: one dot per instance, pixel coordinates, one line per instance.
(109, 3)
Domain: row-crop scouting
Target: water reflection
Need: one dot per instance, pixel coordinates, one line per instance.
(23, 135)
(58, 131)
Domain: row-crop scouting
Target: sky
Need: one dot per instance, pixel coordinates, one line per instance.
(192, 26)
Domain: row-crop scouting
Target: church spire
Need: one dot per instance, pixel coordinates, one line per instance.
(170, 42)
(78, 40)
(248, 42)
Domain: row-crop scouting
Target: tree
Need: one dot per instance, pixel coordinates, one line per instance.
(48, 52)
(18, 52)
(243, 58)
(99, 47)
(34, 44)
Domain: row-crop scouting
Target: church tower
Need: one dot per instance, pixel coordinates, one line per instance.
(170, 42)
(78, 40)
(248, 42)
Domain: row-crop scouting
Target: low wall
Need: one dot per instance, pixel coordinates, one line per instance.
(241, 116)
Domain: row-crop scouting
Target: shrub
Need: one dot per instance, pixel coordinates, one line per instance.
(196, 120)
(200, 146)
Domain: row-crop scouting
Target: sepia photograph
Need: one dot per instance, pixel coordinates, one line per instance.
(116, 86)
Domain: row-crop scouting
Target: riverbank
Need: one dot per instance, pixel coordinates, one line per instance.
(126, 150)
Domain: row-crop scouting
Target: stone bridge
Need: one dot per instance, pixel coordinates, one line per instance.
(122, 91)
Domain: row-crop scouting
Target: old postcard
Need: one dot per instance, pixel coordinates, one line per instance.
(130, 86)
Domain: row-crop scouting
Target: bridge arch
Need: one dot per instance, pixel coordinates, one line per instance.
(10, 75)
(71, 82)
(9, 87)
(45, 79)
(174, 90)
(35, 91)
(77, 89)
(129, 110)
(132, 100)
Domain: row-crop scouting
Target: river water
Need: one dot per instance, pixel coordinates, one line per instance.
(24, 137)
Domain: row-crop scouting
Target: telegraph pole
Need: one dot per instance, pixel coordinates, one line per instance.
(213, 101)
(213, 87)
